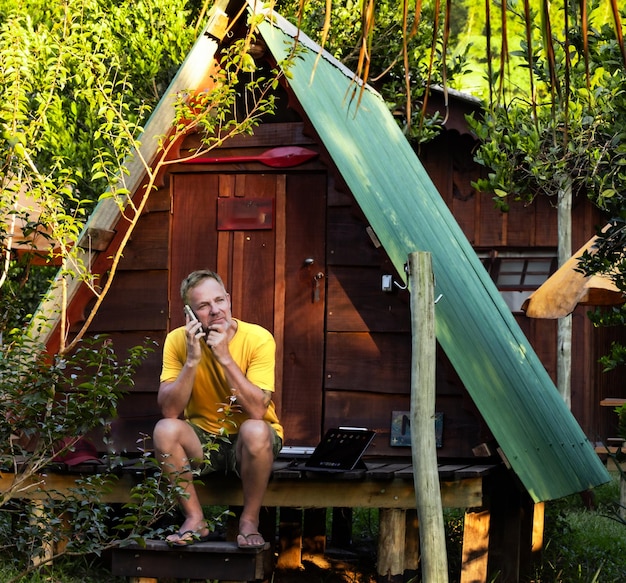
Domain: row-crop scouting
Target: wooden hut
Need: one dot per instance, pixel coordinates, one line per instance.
(314, 270)
(316, 254)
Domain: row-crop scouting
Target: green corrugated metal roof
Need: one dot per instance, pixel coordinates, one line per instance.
(539, 436)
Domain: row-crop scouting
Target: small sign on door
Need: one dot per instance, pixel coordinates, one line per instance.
(245, 214)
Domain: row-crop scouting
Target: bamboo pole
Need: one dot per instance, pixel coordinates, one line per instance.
(423, 444)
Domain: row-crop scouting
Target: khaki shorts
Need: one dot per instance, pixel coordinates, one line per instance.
(220, 452)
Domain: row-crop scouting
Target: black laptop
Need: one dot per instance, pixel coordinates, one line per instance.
(340, 450)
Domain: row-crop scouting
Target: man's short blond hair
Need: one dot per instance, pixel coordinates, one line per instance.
(196, 277)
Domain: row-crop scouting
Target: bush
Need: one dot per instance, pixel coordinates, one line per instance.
(48, 403)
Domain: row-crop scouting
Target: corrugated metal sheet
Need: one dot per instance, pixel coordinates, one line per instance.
(541, 439)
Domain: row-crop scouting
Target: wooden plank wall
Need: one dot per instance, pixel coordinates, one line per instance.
(367, 341)
(137, 309)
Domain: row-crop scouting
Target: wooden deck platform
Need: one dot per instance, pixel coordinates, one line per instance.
(497, 535)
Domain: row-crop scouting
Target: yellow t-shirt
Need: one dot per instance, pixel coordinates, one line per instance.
(252, 347)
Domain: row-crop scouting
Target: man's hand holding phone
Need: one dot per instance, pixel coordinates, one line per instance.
(196, 335)
(212, 335)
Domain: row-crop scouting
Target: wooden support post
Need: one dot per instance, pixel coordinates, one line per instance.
(539, 512)
(39, 516)
(314, 531)
(341, 531)
(531, 538)
(411, 546)
(267, 524)
(506, 538)
(475, 553)
(423, 444)
(391, 536)
(290, 539)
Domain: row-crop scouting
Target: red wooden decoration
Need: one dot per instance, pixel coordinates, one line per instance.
(283, 157)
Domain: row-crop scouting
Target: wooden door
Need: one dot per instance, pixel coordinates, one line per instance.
(265, 235)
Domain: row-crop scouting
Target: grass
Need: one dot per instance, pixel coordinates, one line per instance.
(582, 545)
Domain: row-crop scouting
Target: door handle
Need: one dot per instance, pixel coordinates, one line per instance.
(317, 278)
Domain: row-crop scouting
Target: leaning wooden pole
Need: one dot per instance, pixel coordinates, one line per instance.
(423, 446)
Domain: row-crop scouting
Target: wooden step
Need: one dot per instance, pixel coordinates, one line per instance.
(215, 560)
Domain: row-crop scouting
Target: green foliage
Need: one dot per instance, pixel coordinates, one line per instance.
(58, 59)
(387, 70)
(41, 407)
(46, 399)
(583, 545)
(608, 258)
(240, 94)
(47, 404)
(570, 130)
(64, 570)
(453, 522)
(567, 136)
(621, 416)
(578, 138)
(77, 80)
(22, 291)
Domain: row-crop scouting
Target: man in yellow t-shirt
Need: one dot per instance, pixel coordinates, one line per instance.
(217, 376)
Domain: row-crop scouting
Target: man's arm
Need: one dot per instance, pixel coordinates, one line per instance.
(251, 398)
(173, 396)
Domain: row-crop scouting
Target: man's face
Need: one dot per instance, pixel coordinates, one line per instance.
(211, 304)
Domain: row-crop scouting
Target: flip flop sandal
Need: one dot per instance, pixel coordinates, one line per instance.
(187, 538)
(250, 545)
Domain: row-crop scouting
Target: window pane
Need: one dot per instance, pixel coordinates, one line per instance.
(521, 270)
(512, 265)
(539, 265)
(535, 280)
(509, 280)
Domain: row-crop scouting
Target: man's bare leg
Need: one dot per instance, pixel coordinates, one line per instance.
(176, 443)
(254, 452)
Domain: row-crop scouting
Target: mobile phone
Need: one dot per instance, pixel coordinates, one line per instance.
(190, 313)
(193, 317)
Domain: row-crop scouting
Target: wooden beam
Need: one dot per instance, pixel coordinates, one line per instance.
(297, 493)
(539, 512)
(411, 546)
